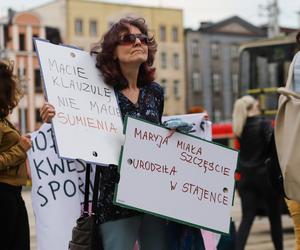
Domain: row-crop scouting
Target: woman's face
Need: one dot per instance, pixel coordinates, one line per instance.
(132, 50)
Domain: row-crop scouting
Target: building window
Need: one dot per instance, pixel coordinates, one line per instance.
(175, 34)
(78, 26)
(23, 80)
(22, 42)
(93, 28)
(196, 82)
(21, 73)
(215, 50)
(176, 61)
(235, 83)
(164, 86)
(176, 89)
(163, 60)
(216, 80)
(38, 118)
(234, 51)
(162, 33)
(38, 81)
(195, 47)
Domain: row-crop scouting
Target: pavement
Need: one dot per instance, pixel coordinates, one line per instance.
(259, 238)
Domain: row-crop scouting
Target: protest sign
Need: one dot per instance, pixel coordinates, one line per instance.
(201, 128)
(182, 178)
(87, 123)
(57, 191)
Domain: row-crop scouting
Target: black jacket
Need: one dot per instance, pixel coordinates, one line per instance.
(254, 142)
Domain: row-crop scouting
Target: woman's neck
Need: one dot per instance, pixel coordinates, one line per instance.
(131, 75)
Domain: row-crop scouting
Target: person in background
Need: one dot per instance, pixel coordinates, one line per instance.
(125, 59)
(253, 133)
(294, 206)
(14, 232)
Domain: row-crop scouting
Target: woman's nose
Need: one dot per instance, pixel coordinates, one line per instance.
(137, 41)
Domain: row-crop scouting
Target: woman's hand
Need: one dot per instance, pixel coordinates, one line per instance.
(171, 132)
(25, 142)
(47, 112)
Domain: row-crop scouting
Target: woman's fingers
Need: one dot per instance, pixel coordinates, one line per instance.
(47, 112)
(171, 132)
(25, 142)
(27, 136)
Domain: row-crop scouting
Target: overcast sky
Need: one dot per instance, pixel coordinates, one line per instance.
(196, 11)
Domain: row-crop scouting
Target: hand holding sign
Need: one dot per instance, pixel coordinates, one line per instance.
(25, 142)
(47, 112)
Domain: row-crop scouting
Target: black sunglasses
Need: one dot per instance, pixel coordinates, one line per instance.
(130, 39)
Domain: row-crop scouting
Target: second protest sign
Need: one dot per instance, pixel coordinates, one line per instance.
(182, 178)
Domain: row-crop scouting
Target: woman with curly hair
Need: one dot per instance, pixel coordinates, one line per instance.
(125, 59)
(13, 215)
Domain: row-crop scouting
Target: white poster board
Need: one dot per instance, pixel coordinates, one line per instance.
(201, 128)
(183, 178)
(87, 123)
(57, 191)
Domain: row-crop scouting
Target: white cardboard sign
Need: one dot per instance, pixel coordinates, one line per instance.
(57, 191)
(87, 123)
(183, 178)
(202, 129)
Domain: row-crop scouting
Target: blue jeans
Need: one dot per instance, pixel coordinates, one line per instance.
(150, 231)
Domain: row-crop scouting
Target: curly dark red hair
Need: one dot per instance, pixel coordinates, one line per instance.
(110, 68)
(10, 92)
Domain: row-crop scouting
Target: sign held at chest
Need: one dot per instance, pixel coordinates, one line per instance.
(183, 177)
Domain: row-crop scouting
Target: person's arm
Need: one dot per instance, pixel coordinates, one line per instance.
(14, 156)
